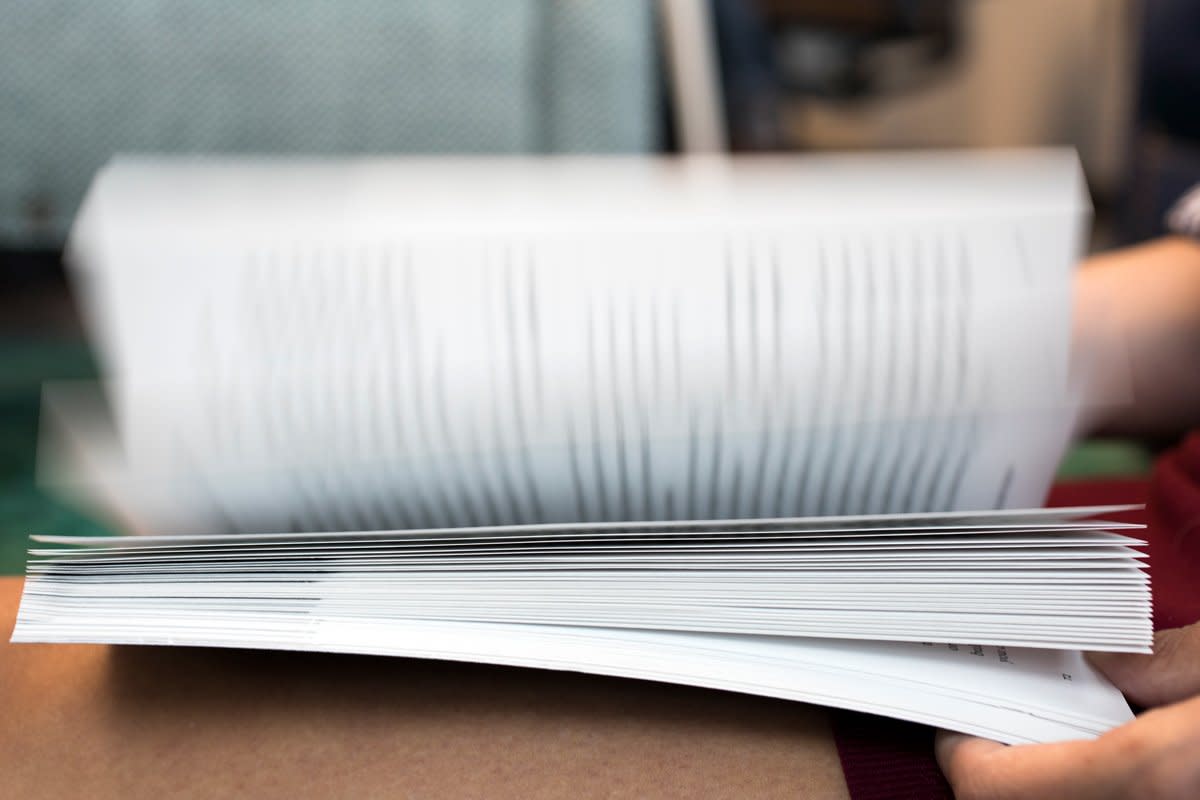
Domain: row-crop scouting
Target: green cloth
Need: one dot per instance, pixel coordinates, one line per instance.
(1106, 458)
(24, 508)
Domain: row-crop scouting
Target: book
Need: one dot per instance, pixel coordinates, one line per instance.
(773, 425)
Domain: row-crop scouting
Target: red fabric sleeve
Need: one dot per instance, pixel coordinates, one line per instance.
(1174, 535)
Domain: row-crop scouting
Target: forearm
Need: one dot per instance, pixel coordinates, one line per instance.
(1138, 324)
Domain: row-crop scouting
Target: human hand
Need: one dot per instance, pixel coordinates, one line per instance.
(1155, 756)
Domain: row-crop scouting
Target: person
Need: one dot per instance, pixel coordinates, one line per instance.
(1149, 297)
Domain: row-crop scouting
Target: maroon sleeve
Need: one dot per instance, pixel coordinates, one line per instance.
(1174, 535)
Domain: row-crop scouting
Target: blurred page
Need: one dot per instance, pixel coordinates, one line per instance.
(447, 342)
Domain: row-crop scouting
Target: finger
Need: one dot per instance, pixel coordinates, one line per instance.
(1153, 756)
(954, 751)
(979, 769)
(1171, 674)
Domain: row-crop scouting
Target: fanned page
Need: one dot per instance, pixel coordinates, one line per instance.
(369, 345)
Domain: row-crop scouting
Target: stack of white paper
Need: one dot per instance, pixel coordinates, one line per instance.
(1041, 578)
(376, 344)
(714, 604)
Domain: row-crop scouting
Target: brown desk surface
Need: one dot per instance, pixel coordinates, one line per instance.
(97, 721)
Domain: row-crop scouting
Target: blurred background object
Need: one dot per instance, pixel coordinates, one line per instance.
(80, 81)
(978, 73)
(1164, 152)
(1116, 79)
(855, 49)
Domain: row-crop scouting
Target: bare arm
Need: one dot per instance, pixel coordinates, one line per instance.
(1148, 298)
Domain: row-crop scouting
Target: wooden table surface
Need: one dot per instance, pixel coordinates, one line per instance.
(98, 721)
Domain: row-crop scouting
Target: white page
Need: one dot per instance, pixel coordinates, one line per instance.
(533, 360)
(1057, 518)
(1056, 548)
(397, 602)
(872, 677)
(804, 544)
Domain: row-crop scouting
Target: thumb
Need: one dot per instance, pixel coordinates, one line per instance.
(1171, 674)
(987, 770)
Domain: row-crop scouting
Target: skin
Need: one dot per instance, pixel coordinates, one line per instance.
(1155, 756)
(1138, 324)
